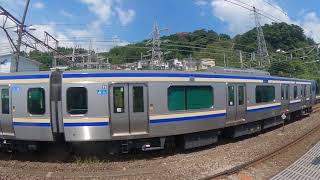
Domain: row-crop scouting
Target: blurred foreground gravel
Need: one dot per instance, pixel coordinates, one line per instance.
(194, 164)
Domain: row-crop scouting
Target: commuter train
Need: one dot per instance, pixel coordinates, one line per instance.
(145, 109)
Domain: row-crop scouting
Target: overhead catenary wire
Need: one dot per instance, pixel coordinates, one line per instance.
(249, 8)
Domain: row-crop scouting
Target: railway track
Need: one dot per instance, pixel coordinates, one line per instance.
(265, 157)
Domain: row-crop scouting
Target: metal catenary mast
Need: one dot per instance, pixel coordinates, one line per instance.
(264, 59)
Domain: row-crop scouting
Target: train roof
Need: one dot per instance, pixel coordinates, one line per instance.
(225, 72)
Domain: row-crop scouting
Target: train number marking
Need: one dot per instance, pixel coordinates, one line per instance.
(102, 92)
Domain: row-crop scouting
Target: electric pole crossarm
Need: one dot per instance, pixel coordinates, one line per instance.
(10, 39)
(8, 15)
(45, 45)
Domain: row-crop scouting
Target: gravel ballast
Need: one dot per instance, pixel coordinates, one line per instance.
(164, 165)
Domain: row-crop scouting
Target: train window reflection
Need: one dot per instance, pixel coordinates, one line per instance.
(241, 95)
(295, 92)
(265, 94)
(77, 100)
(36, 101)
(118, 99)
(138, 100)
(190, 97)
(5, 101)
(231, 95)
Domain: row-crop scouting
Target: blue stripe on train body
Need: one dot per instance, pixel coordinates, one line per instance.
(96, 124)
(16, 77)
(264, 108)
(191, 118)
(31, 124)
(295, 103)
(97, 75)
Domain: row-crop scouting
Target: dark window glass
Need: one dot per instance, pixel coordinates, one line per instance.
(5, 101)
(287, 92)
(118, 99)
(295, 92)
(241, 95)
(190, 97)
(36, 101)
(138, 100)
(265, 94)
(77, 100)
(231, 95)
(200, 97)
(284, 92)
(310, 90)
(176, 98)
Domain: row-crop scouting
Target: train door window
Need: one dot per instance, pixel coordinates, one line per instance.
(176, 98)
(295, 92)
(284, 92)
(199, 97)
(265, 94)
(231, 95)
(5, 101)
(241, 95)
(36, 101)
(118, 99)
(77, 100)
(287, 92)
(138, 100)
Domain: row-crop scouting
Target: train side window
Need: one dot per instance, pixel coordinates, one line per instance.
(5, 101)
(295, 92)
(282, 92)
(265, 94)
(138, 100)
(77, 100)
(199, 97)
(241, 95)
(36, 101)
(189, 97)
(118, 99)
(176, 98)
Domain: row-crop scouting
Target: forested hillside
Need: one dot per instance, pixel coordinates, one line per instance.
(221, 47)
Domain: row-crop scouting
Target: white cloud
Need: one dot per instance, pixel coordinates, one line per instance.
(38, 5)
(106, 9)
(52, 29)
(66, 14)
(101, 8)
(240, 20)
(311, 24)
(125, 17)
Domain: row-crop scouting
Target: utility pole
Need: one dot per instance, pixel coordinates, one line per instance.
(20, 31)
(241, 59)
(47, 39)
(224, 60)
(262, 47)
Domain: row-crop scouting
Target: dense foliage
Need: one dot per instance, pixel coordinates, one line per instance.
(221, 47)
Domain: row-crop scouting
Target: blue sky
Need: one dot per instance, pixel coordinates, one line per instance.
(75, 21)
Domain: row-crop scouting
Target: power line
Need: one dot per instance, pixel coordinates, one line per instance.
(249, 8)
(276, 7)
